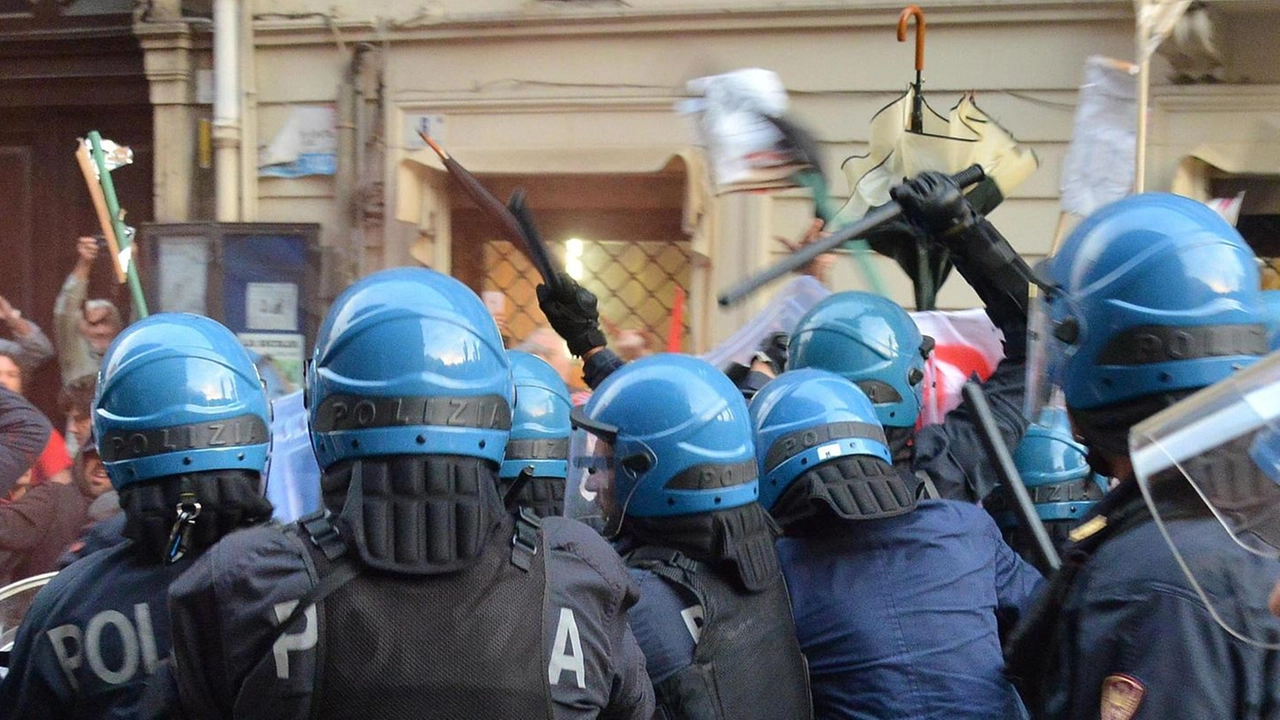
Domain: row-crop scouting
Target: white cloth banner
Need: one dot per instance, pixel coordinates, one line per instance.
(1099, 166)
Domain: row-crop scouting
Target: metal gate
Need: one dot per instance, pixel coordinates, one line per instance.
(635, 282)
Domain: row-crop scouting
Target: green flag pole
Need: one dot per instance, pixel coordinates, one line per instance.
(826, 210)
(117, 223)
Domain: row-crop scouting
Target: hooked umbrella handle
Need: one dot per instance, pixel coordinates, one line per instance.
(908, 12)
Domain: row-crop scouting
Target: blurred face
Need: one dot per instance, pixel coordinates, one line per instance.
(95, 477)
(99, 325)
(599, 478)
(10, 375)
(79, 420)
(21, 487)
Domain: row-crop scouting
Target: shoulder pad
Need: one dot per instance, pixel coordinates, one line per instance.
(580, 541)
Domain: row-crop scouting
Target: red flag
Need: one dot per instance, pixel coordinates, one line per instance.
(967, 344)
(676, 331)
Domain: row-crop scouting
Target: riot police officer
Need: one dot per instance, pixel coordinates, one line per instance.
(873, 342)
(895, 600)
(536, 460)
(1063, 487)
(416, 594)
(1150, 298)
(671, 465)
(181, 421)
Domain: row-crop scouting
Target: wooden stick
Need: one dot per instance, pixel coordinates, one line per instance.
(100, 206)
(1059, 232)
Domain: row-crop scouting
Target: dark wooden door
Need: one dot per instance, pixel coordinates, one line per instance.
(79, 75)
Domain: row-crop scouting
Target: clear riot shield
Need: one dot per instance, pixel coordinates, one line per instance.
(1217, 455)
(15, 600)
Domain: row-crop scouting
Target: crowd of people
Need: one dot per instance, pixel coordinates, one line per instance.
(64, 489)
(681, 542)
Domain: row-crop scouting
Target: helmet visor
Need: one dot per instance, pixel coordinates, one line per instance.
(589, 489)
(1041, 344)
(1216, 457)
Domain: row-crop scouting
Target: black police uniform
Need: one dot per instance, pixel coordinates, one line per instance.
(951, 454)
(1120, 632)
(537, 621)
(91, 639)
(714, 621)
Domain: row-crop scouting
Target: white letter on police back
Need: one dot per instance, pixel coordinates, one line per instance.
(304, 639)
(567, 630)
(128, 645)
(146, 637)
(70, 660)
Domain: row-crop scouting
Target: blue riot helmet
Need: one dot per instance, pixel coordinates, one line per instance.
(1271, 306)
(1149, 295)
(817, 430)
(665, 435)
(540, 425)
(871, 341)
(177, 395)
(408, 362)
(540, 429)
(1054, 469)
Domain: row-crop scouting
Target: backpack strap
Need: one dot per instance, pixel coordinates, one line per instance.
(927, 490)
(323, 540)
(525, 541)
(666, 563)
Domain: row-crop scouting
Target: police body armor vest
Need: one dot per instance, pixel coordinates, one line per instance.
(747, 663)
(459, 645)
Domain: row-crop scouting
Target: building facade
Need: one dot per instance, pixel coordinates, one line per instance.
(573, 101)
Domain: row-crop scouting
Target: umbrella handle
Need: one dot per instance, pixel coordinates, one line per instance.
(904, 17)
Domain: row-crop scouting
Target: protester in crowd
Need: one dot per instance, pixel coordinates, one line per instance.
(76, 402)
(671, 468)
(1149, 299)
(24, 432)
(83, 328)
(105, 522)
(53, 462)
(176, 377)
(544, 343)
(435, 600)
(632, 344)
(897, 602)
(37, 524)
(27, 346)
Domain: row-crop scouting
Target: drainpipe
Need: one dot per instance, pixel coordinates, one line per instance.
(347, 181)
(226, 108)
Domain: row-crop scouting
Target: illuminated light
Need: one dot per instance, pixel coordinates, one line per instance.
(573, 258)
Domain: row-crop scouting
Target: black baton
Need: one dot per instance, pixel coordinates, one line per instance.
(877, 217)
(1008, 473)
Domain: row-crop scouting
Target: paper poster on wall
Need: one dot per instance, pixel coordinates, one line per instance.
(307, 144)
(184, 273)
(279, 357)
(271, 306)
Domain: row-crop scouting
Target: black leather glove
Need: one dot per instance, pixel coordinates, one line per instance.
(571, 310)
(773, 348)
(934, 203)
